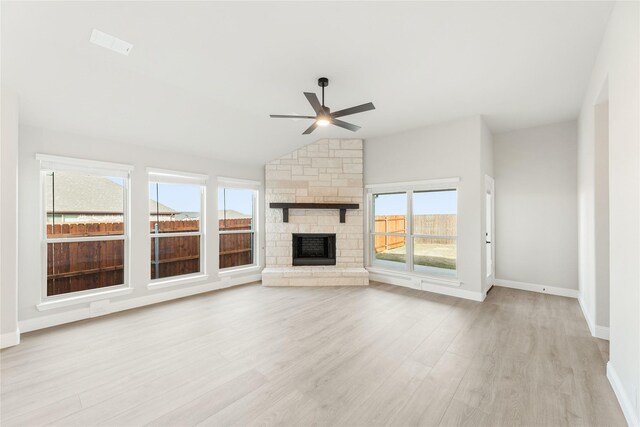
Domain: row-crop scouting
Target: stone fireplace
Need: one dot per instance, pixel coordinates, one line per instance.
(314, 249)
(315, 231)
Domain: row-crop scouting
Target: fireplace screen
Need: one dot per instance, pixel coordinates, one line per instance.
(314, 249)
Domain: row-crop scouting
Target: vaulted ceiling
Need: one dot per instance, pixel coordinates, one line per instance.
(203, 77)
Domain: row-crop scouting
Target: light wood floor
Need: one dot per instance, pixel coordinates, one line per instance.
(381, 355)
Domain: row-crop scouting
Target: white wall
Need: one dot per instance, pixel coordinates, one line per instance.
(536, 197)
(486, 169)
(601, 213)
(36, 140)
(9, 334)
(618, 64)
(446, 150)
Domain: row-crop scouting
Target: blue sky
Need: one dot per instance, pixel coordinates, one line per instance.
(180, 197)
(236, 199)
(186, 197)
(428, 202)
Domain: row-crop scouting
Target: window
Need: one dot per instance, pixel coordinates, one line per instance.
(415, 230)
(434, 231)
(85, 225)
(389, 230)
(176, 212)
(237, 223)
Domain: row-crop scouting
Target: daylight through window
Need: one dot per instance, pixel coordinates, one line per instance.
(236, 213)
(176, 224)
(415, 231)
(86, 229)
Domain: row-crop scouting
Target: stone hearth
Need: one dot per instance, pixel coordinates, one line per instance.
(327, 171)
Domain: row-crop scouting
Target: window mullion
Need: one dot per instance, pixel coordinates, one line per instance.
(236, 231)
(430, 236)
(85, 238)
(409, 230)
(380, 233)
(179, 234)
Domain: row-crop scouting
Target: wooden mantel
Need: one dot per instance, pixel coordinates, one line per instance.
(340, 206)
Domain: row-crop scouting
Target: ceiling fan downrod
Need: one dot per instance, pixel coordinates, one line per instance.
(323, 82)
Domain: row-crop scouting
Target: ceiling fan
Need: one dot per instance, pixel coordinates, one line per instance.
(324, 116)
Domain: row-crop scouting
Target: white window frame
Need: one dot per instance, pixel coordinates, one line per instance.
(93, 167)
(408, 188)
(254, 187)
(165, 176)
(372, 233)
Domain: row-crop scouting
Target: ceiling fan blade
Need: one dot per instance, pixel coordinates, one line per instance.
(353, 110)
(314, 101)
(345, 125)
(288, 116)
(310, 128)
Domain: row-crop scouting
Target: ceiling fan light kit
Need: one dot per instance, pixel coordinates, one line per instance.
(324, 116)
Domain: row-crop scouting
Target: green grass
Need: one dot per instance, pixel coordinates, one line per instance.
(427, 254)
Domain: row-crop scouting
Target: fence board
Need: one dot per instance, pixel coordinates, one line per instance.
(78, 266)
(236, 249)
(389, 224)
(436, 225)
(433, 225)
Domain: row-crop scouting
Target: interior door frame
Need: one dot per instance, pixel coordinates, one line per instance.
(489, 188)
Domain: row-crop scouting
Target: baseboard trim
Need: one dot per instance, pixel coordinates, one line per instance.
(597, 331)
(533, 287)
(114, 307)
(587, 316)
(602, 332)
(424, 285)
(10, 339)
(625, 403)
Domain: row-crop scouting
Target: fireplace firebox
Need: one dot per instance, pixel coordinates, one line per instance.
(314, 249)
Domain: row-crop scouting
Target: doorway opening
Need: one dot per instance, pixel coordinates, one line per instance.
(490, 251)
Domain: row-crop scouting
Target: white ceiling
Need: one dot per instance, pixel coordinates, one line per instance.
(203, 77)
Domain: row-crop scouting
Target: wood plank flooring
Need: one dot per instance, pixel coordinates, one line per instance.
(381, 355)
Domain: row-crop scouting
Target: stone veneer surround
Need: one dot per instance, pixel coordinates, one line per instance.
(326, 171)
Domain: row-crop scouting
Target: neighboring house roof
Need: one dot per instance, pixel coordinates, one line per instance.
(89, 194)
(231, 214)
(85, 194)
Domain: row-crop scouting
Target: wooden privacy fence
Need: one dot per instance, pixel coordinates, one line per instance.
(433, 225)
(235, 248)
(174, 255)
(389, 224)
(79, 266)
(85, 229)
(436, 225)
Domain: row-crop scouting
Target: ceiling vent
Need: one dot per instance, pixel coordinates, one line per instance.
(110, 42)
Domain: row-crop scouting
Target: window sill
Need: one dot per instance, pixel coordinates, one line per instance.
(160, 284)
(239, 270)
(437, 280)
(51, 304)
